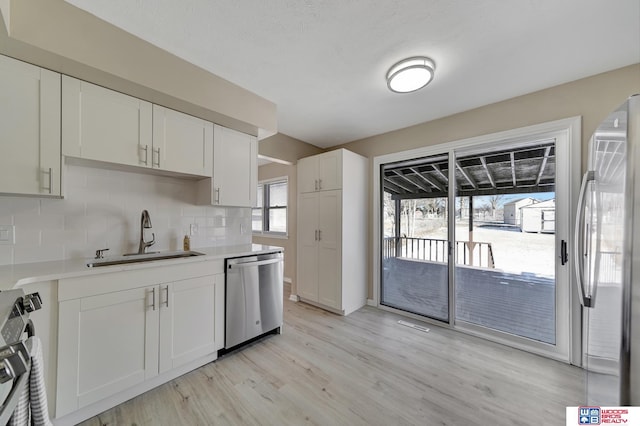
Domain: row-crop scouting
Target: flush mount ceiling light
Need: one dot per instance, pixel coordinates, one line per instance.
(410, 74)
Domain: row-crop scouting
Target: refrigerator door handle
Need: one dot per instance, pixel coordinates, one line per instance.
(578, 250)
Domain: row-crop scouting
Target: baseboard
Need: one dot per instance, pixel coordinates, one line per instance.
(321, 306)
(287, 280)
(371, 302)
(294, 298)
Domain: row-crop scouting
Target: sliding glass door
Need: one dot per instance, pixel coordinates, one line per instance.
(505, 231)
(415, 254)
(476, 236)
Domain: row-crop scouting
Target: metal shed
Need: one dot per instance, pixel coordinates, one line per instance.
(539, 217)
(512, 210)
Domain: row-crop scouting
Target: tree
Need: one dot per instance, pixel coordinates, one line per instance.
(390, 211)
(494, 201)
(462, 205)
(409, 209)
(434, 205)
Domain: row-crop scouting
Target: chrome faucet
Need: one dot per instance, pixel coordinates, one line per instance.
(145, 222)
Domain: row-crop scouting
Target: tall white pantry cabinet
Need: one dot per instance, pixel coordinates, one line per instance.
(332, 237)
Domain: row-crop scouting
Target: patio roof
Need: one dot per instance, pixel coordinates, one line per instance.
(516, 170)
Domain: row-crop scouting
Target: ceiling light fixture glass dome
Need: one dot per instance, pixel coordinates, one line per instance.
(410, 74)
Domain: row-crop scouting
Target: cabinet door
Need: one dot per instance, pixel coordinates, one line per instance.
(235, 168)
(182, 143)
(188, 320)
(330, 170)
(104, 125)
(308, 246)
(106, 344)
(322, 172)
(329, 249)
(308, 174)
(29, 129)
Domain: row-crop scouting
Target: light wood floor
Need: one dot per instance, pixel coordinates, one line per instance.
(364, 369)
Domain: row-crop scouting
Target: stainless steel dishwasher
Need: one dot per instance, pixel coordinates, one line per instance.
(253, 297)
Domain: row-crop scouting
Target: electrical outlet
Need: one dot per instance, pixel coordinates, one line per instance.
(193, 229)
(7, 234)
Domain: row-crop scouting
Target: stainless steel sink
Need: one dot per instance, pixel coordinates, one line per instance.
(145, 257)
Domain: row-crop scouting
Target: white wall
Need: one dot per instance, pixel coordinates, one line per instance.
(272, 171)
(102, 209)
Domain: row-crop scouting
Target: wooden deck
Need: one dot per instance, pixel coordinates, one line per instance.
(520, 304)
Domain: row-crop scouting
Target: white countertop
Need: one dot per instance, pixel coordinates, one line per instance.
(27, 273)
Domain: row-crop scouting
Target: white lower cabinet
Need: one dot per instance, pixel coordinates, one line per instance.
(320, 248)
(111, 342)
(186, 307)
(107, 343)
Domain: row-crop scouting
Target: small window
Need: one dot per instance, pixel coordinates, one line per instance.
(270, 215)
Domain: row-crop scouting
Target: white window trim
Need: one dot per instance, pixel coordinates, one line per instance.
(273, 234)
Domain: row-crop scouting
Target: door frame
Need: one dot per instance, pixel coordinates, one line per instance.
(569, 131)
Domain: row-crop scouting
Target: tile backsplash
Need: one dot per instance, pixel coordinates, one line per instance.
(102, 209)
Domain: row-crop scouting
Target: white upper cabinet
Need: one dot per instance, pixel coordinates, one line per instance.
(321, 172)
(103, 125)
(29, 129)
(181, 143)
(235, 170)
(235, 167)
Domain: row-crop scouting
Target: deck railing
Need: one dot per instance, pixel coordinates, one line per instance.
(435, 250)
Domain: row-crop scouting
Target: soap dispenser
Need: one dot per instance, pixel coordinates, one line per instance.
(186, 243)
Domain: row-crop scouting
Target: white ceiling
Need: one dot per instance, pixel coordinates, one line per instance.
(323, 62)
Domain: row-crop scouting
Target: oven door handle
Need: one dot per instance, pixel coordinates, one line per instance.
(257, 263)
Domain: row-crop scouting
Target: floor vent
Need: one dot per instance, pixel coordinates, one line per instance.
(416, 326)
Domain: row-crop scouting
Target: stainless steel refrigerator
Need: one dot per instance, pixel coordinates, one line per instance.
(607, 259)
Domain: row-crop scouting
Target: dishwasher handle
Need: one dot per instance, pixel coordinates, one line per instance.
(257, 263)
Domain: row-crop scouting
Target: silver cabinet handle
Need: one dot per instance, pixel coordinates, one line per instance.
(578, 244)
(315, 235)
(217, 198)
(154, 151)
(166, 300)
(319, 235)
(320, 184)
(315, 182)
(153, 298)
(146, 154)
(50, 187)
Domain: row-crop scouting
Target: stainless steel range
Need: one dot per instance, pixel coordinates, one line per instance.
(15, 358)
